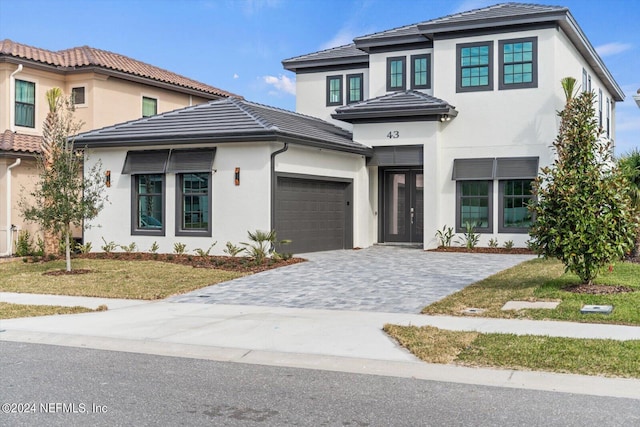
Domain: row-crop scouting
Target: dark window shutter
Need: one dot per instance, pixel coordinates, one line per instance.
(472, 169)
(407, 155)
(185, 161)
(150, 161)
(517, 168)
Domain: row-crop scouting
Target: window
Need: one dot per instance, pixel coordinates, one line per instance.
(148, 204)
(589, 83)
(149, 106)
(600, 108)
(518, 63)
(193, 204)
(584, 80)
(25, 104)
(474, 71)
(77, 96)
(608, 118)
(395, 73)
(474, 206)
(420, 78)
(334, 90)
(355, 89)
(514, 214)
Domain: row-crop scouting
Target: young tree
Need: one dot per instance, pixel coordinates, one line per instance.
(629, 163)
(63, 196)
(583, 214)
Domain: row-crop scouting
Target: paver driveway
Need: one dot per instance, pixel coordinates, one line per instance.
(380, 278)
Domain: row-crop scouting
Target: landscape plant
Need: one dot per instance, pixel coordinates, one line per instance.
(445, 236)
(202, 253)
(583, 215)
(262, 244)
(24, 246)
(232, 250)
(64, 196)
(629, 164)
(179, 248)
(469, 238)
(108, 247)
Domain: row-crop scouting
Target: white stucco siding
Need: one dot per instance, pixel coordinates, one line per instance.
(327, 163)
(235, 209)
(311, 93)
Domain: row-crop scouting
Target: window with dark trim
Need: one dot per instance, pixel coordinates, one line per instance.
(518, 63)
(474, 206)
(600, 108)
(334, 90)
(78, 95)
(193, 204)
(149, 106)
(148, 205)
(608, 118)
(396, 73)
(420, 71)
(355, 88)
(514, 215)
(584, 80)
(474, 67)
(25, 106)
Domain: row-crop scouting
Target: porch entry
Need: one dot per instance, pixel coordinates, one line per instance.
(403, 205)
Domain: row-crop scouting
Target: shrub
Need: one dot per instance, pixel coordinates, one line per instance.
(493, 243)
(24, 246)
(84, 249)
(508, 244)
(154, 247)
(129, 248)
(108, 247)
(444, 236)
(263, 244)
(470, 237)
(179, 248)
(232, 250)
(202, 253)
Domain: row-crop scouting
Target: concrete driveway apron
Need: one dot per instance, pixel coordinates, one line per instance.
(379, 278)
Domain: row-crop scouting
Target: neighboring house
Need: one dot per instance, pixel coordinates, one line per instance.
(636, 97)
(107, 88)
(446, 122)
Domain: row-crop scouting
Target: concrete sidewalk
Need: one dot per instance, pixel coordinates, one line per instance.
(347, 341)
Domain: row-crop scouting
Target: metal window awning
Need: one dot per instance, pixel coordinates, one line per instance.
(172, 161)
(490, 168)
(402, 155)
(145, 161)
(196, 160)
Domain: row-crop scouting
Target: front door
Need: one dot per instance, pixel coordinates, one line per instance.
(403, 210)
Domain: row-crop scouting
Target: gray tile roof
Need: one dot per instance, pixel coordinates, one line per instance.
(346, 54)
(227, 120)
(406, 104)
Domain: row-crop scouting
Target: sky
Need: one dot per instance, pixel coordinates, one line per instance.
(238, 45)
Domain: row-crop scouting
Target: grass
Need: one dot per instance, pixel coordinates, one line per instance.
(544, 280)
(567, 355)
(146, 280)
(12, 311)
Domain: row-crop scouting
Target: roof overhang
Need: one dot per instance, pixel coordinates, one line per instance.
(367, 44)
(348, 62)
(439, 113)
(637, 98)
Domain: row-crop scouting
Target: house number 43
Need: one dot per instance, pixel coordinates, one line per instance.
(393, 134)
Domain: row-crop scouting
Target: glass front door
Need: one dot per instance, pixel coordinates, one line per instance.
(403, 210)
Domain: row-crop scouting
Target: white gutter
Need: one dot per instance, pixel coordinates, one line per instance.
(12, 98)
(9, 230)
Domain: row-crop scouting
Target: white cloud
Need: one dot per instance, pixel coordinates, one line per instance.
(612, 48)
(282, 83)
(344, 36)
(236, 76)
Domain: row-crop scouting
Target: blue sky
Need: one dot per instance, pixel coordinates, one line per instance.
(238, 45)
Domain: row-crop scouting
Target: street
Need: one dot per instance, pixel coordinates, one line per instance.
(50, 385)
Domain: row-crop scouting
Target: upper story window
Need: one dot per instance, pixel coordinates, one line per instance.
(600, 108)
(420, 75)
(149, 106)
(25, 104)
(608, 118)
(396, 73)
(584, 80)
(474, 71)
(334, 90)
(355, 88)
(78, 95)
(518, 63)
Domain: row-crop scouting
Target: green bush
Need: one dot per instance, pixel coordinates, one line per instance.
(24, 247)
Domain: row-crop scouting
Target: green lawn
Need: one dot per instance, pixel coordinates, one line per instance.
(568, 355)
(109, 278)
(11, 311)
(544, 280)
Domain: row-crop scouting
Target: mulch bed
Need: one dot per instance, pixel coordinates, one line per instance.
(484, 250)
(597, 289)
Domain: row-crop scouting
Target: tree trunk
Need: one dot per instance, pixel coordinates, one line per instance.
(51, 243)
(67, 248)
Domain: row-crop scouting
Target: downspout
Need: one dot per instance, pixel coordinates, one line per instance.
(12, 98)
(273, 183)
(9, 232)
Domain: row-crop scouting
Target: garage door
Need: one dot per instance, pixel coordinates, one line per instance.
(315, 214)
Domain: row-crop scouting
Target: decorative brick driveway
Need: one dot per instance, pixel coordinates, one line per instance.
(380, 278)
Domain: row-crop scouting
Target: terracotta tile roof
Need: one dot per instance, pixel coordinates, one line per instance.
(13, 141)
(86, 56)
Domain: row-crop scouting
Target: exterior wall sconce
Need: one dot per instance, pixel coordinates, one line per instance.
(237, 176)
(108, 178)
(445, 118)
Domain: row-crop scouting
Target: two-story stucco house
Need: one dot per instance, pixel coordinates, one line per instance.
(440, 123)
(107, 88)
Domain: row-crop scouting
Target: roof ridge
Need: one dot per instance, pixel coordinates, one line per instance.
(245, 108)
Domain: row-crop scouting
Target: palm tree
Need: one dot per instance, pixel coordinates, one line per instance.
(630, 165)
(569, 88)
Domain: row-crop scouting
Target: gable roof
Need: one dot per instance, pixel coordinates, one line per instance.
(341, 55)
(488, 18)
(78, 59)
(226, 120)
(19, 143)
(407, 105)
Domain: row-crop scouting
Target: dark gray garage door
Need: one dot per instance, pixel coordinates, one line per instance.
(315, 214)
